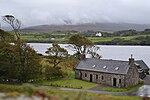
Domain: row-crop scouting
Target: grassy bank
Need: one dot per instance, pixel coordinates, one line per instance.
(113, 89)
(109, 39)
(54, 94)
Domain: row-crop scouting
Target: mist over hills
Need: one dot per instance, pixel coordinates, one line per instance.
(106, 27)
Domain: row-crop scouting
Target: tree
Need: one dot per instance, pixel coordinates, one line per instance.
(94, 51)
(5, 36)
(14, 23)
(53, 72)
(21, 61)
(7, 66)
(80, 43)
(56, 54)
(82, 46)
(21, 68)
(28, 62)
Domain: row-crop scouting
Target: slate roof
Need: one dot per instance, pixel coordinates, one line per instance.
(142, 64)
(103, 65)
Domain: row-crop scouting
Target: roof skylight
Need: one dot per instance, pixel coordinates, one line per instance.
(117, 68)
(104, 67)
(93, 66)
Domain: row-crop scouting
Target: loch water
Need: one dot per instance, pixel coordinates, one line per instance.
(107, 51)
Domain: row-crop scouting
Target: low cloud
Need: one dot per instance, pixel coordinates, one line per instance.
(36, 12)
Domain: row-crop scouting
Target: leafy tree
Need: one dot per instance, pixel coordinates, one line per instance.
(7, 68)
(82, 46)
(80, 43)
(12, 67)
(53, 72)
(18, 61)
(56, 54)
(5, 36)
(28, 62)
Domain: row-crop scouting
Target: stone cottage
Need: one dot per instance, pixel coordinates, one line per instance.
(109, 72)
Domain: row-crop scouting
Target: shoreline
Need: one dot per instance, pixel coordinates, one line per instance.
(95, 44)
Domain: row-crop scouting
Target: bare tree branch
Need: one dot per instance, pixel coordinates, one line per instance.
(14, 23)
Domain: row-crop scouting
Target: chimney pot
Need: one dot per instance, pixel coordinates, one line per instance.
(131, 60)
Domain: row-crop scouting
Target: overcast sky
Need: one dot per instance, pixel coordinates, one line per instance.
(36, 12)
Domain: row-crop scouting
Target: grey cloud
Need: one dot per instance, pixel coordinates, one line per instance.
(34, 12)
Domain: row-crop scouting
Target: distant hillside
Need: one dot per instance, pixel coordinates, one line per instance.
(7, 28)
(108, 27)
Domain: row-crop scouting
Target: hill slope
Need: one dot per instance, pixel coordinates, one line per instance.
(108, 27)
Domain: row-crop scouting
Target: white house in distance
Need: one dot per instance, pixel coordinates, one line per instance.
(98, 34)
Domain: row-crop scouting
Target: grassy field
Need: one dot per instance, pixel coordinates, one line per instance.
(54, 94)
(68, 82)
(107, 39)
(44, 37)
(63, 37)
(113, 89)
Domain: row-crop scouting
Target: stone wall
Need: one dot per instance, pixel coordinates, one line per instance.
(132, 77)
(101, 78)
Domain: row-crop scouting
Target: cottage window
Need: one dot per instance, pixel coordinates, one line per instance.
(102, 77)
(85, 75)
(96, 76)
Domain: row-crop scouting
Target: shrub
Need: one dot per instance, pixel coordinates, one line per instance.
(52, 72)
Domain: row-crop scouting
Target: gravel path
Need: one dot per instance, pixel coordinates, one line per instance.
(85, 90)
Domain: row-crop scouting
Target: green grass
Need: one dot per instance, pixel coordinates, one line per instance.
(108, 39)
(55, 94)
(62, 37)
(34, 38)
(113, 89)
(68, 82)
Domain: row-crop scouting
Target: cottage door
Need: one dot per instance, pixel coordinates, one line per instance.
(80, 75)
(91, 77)
(114, 81)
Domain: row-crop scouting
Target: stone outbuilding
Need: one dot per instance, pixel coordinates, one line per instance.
(143, 68)
(114, 73)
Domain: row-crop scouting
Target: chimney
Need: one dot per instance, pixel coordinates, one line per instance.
(131, 60)
(82, 56)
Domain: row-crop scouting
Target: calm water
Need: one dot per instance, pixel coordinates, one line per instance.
(108, 52)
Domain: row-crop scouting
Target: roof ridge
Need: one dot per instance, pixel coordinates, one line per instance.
(138, 60)
(107, 59)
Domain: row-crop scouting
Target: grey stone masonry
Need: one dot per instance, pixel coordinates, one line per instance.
(132, 77)
(101, 78)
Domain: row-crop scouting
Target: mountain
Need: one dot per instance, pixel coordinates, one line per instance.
(107, 27)
(6, 28)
